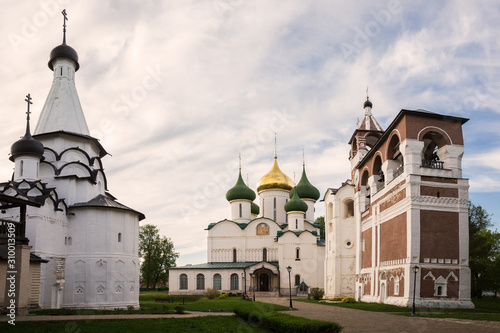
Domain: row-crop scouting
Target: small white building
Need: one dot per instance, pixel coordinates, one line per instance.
(89, 239)
(252, 250)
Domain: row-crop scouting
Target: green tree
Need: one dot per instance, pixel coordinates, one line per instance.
(321, 221)
(484, 251)
(157, 253)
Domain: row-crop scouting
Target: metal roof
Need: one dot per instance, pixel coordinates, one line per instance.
(225, 265)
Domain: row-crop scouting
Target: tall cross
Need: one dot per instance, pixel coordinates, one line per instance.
(64, 25)
(28, 100)
(366, 91)
(275, 147)
(239, 156)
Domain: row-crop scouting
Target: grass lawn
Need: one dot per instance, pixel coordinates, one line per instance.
(189, 303)
(198, 324)
(486, 308)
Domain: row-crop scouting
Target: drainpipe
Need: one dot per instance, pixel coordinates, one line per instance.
(279, 282)
(245, 277)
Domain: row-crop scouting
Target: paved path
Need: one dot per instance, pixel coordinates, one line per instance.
(189, 314)
(357, 321)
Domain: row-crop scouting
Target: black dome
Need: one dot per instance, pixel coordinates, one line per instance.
(64, 51)
(26, 146)
(367, 103)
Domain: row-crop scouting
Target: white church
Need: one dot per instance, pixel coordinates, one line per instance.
(83, 243)
(252, 252)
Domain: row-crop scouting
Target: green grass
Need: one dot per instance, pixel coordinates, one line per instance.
(486, 308)
(191, 303)
(215, 324)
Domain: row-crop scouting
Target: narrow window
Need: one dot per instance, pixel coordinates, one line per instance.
(200, 282)
(65, 240)
(439, 291)
(22, 167)
(297, 279)
(234, 281)
(234, 255)
(275, 209)
(296, 223)
(217, 281)
(61, 71)
(297, 254)
(240, 211)
(183, 282)
(264, 254)
(119, 237)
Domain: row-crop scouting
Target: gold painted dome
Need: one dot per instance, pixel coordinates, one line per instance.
(275, 179)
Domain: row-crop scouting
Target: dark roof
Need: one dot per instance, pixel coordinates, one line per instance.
(107, 201)
(33, 257)
(64, 51)
(296, 232)
(225, 265)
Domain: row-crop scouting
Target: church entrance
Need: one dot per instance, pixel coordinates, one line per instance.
(264, 282)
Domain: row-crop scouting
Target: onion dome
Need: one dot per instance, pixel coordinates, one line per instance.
(295, 204)
(367, 103)
(240, 191)
(305, 189)
(64, 51)
(254, 208)
(27, 145)
(275, 179)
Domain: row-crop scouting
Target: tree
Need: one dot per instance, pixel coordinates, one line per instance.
(321, 221)
(484, 251)
(157, 255)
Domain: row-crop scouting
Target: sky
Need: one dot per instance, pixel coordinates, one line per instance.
(175, 90)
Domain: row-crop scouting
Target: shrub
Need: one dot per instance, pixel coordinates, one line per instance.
(179, 309)
(348, 300)
(222, 296)
(212, 293)
(338, 298)
(280, 322)
(130, 308)
(317, 293)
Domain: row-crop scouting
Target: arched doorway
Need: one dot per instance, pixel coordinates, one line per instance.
(264, 282)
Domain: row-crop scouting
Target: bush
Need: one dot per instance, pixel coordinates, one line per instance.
(348, 300)
(280, 322)
(212, 293)
(338, 298)
(222, 296)
(317, 293)
(179, 309)
(130, 308)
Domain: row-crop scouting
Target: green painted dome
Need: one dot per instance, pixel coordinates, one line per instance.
(254, 208)
(240, 191)
(305, 189)
(295, 205)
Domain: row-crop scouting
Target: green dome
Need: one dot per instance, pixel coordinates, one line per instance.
(240, 191)
(305, 189)
(295, 205)
(254, 208)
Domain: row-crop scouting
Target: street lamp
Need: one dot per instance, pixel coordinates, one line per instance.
(289, 269)
(252, 275)
(415, 270)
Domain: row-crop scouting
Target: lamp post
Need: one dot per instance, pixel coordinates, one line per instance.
(415, 270)
(289, 269)
(252, 275)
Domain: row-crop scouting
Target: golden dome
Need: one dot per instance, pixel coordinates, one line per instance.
(275, 179)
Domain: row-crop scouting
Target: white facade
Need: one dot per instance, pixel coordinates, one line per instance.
(258, 249)
(89, 239)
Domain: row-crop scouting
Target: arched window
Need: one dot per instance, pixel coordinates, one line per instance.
(264, 254)
(297, 253)
(200, 282)
(297, 279)
(348, 208)
(183, 282)
(217, 281)
(234, 255)
(234, 281)
(240, 211)
(119, 237)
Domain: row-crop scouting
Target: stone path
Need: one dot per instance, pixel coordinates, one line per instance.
(190, 314)
(357, 321)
